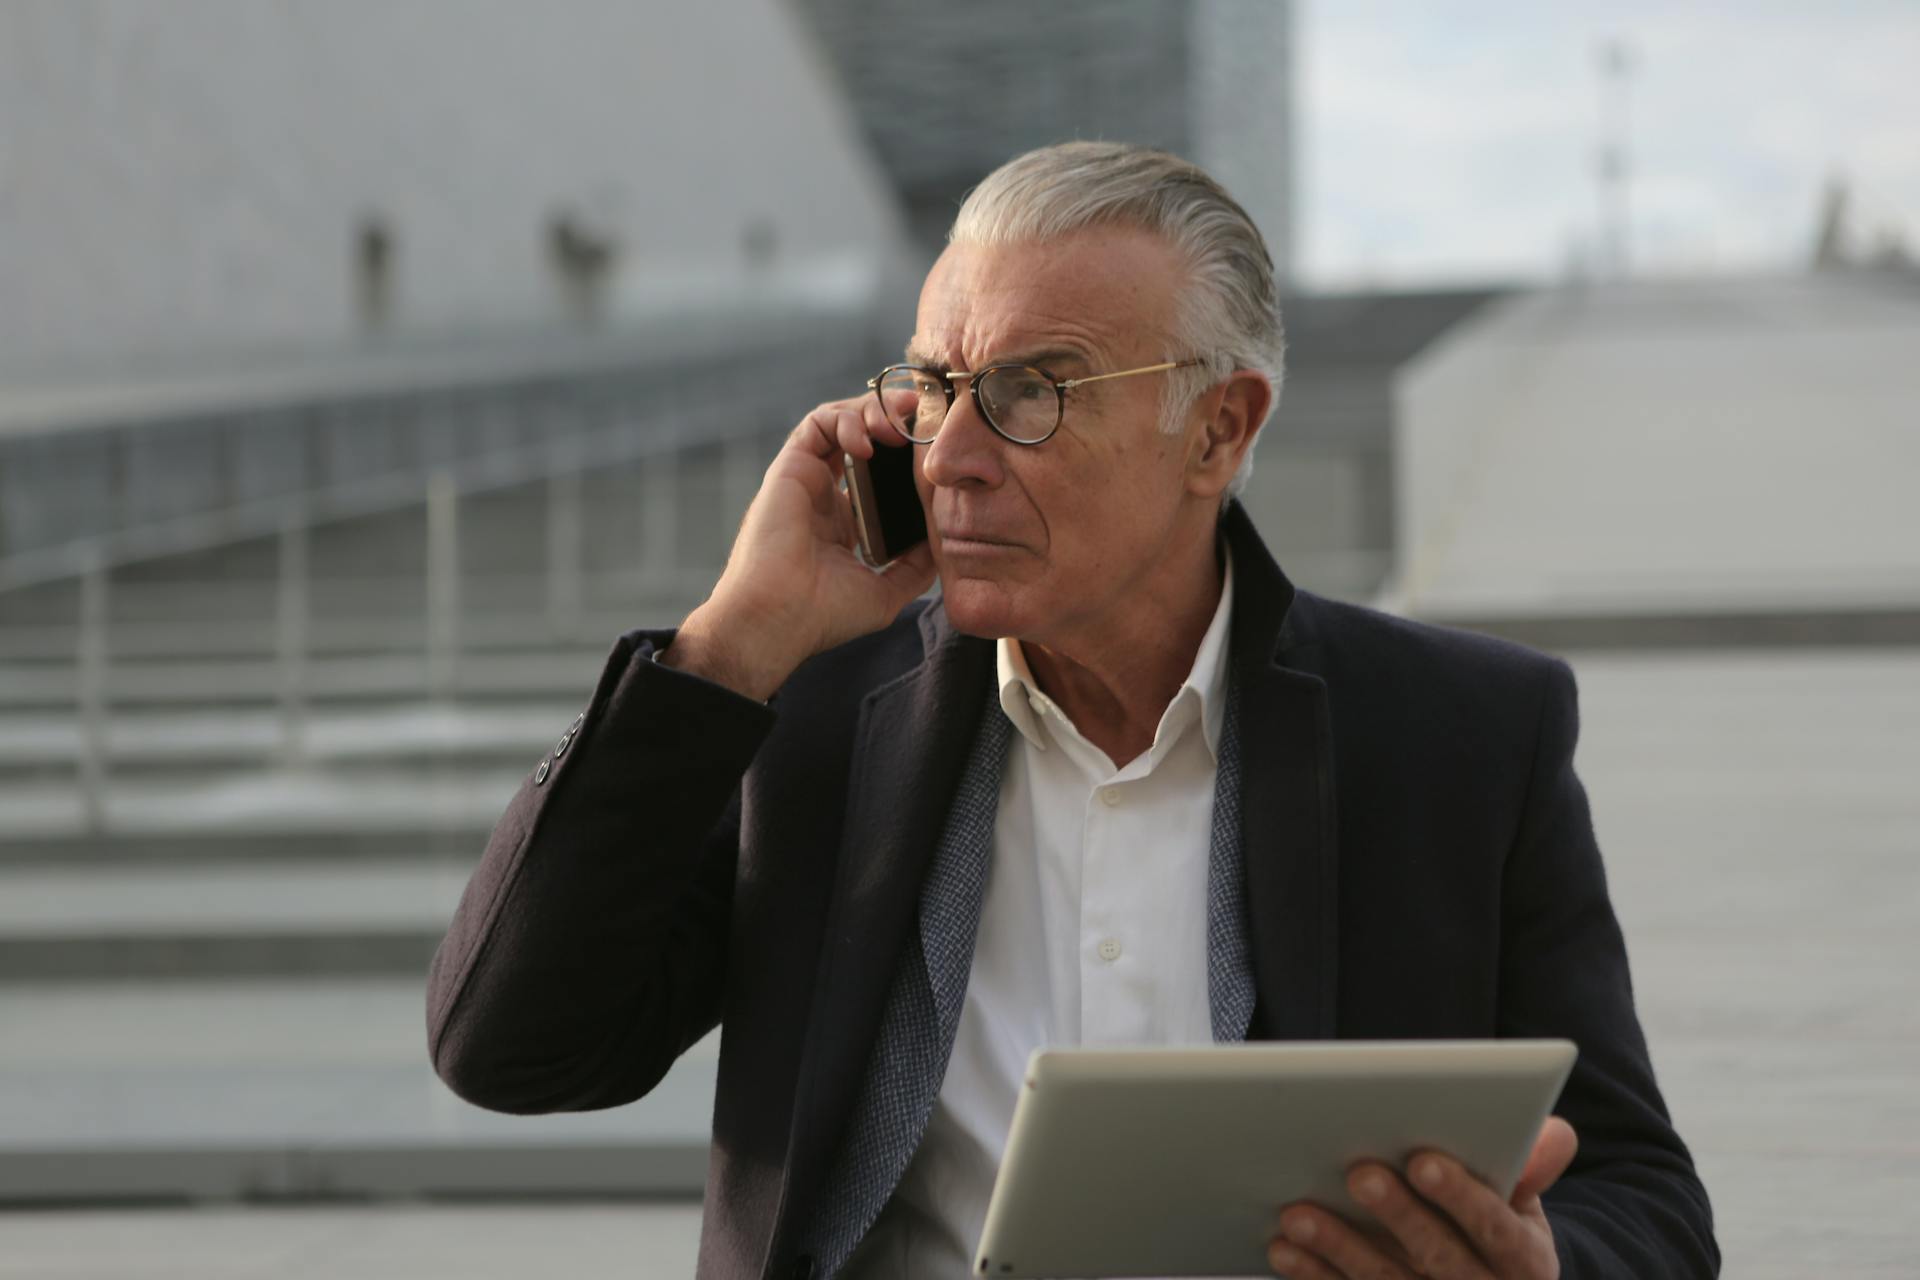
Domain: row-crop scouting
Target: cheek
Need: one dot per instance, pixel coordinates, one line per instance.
(1076, 509)
(1114, 483)
(1087, 546)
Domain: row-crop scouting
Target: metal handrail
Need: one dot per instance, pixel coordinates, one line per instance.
(561, 459)
(622, 441)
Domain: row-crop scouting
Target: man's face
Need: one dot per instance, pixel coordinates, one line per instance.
(1038, 541)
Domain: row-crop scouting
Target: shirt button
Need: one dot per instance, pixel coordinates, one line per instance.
(1110, 795)
(1110, 949)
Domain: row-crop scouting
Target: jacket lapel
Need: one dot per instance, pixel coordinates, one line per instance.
(910, 750)
(1288, 842)
(1230, 983)
(921, 1013)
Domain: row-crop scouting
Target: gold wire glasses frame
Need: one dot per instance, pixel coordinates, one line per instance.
(1007, 396)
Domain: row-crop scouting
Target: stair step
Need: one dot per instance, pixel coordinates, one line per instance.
(371, 844)
(242, 845)
(368, 797)
(282, 953)
(230, 682)
(274, 1087)
(226, 919)
(415, 732)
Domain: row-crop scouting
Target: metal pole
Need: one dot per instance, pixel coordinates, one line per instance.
(1615, 60)
(743, 463)
(566, 549)
(443, 581)
(90, 672)
(660, 521)
(292, 636)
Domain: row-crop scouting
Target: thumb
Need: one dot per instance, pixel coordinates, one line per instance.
(907, 576)
(1552, 1152)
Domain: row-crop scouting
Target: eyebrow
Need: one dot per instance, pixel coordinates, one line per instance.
(1034, 356)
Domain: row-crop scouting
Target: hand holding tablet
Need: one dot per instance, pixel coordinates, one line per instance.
(1442, 1221)
(1176, 1161)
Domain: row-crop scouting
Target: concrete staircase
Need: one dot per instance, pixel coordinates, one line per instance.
(233, 831)
(216, 916)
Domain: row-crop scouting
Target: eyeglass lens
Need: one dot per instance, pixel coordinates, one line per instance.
(1020, 402)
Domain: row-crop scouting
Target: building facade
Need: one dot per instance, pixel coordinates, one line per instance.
(948, 92)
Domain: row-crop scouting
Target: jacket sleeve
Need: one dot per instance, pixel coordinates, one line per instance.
(588, 949)
(1631, 1205)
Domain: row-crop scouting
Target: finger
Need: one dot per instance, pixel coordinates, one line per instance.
(850, 430)
(1435, 1248)
(1553, 1151)
(811, 457)
(818, 433)
(818, 477)
(882, 431)
(1296, 1263)
(1338, 1245)
(1489, 1223)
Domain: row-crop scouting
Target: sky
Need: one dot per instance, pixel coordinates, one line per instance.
(1445, 142)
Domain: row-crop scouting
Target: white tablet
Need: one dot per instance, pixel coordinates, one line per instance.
(1176, 1160)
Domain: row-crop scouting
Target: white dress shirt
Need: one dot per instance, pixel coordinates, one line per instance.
(1093, 930)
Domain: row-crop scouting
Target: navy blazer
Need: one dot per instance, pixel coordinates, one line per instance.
(1420, 863)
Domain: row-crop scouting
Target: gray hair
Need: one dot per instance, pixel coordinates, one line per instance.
(1229, 316)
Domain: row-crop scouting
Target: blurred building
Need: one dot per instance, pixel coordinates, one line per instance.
(369, 369)
(198, 177)
(1322, 488)
(948, 92)
(366, 369)
(1695, 462)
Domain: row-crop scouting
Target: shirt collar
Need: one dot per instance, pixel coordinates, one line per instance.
(1207, 680)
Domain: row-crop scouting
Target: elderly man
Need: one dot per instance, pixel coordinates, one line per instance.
(1119, 781)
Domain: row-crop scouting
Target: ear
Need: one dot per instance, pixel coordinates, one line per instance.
(1229, 417)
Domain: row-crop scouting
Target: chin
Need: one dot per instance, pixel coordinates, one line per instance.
(982, 607)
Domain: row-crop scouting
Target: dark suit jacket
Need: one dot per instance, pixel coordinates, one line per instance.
(1419, 863)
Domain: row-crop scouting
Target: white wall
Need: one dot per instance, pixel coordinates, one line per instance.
(188, 175)
(1714, 445)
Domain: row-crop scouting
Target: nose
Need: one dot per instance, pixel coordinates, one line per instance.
(965, 450)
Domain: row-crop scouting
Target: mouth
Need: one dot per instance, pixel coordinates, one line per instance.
(974, 543)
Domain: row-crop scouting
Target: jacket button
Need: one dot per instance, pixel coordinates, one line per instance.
(540, 774)
(560, 747)
(577, 722)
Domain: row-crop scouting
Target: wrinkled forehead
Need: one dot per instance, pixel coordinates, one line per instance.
(1107, 293)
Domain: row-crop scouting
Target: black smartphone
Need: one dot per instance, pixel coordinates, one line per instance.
(886, 505)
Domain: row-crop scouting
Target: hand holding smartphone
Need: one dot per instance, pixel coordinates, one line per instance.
(790, 590)
(886, 504)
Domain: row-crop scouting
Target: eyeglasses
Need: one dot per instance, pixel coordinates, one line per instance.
(1020, 402)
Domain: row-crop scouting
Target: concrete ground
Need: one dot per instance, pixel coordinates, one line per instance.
(1761, 823)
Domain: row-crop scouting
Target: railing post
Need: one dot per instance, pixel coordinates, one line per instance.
(566, 548)
(742, 467)
(90, 677)
(291, 635)
(660, 522)
(443, 581)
